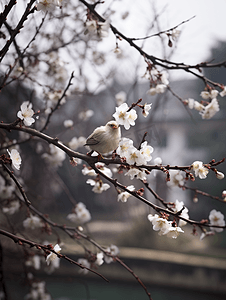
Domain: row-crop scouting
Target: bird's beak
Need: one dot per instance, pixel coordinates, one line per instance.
(115, 126)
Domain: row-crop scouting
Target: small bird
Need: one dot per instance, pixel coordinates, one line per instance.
(104, 139)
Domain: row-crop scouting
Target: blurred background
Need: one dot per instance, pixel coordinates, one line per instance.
(184, 268)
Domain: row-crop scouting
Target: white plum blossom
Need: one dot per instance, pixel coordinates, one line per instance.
(91, 26)
(26, 113)
(123, 196)
(134, 156)
(32, 222)
(146, 109)
(205, 95)
(124, 117)
(176, 178)
(11, 208)
(190, 103)
(210, 110)
(193, 104)
(68, 123)
(100, 259)
(174, 232)
(146, 151)
(112, 250)
(223, 93)
(179, 205)
(104, 169)
(86, 115)
(216, 218)
(88, 171)
(164, 226)
(160, 88)
(52, 256)
(199, 169)
(158, 161)
(120, 98)
(151, 91)
(209, 95)
(84, 262)
(175, 34)
(224, 195)
(56, 156)
(134, 172)
(15, 157)
(161, 225)
(80, 214)
(213, 94)
(98, 186)
(102, 29)
(164, 77)
(123, 147)
(48, 5)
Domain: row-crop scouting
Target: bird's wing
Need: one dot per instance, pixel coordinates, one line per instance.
(94, 141)
(91, 141)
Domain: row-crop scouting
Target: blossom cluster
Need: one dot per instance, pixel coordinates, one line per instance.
(48, 5)
(216, 219)
(97, 27)
(158, 81)
(199, 169)
(123, 196)
(97, 183)
(202, 171)
(80, 214)
(132, 154)
(179, 207)
(125, 116)
(209, 110)
(164, 227)
(176, 178)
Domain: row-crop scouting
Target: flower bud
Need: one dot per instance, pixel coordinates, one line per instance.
(195, 199)
(220, 175)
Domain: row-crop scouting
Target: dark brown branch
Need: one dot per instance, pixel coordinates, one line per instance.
(196, 191)
(8, 7)
(164, 31)
(21, 241)
(134, 275)
(17, 184)
(164, 63)
(19, 26)
(152, 205)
